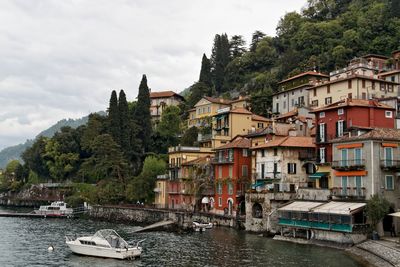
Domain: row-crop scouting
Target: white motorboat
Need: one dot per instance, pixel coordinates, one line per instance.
(57, 208)
(104, 243)
(201, 226)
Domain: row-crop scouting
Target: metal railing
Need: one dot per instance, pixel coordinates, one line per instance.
(390, 164)
(307, 155)
(348, 192)
(222, 160)
(348, 164)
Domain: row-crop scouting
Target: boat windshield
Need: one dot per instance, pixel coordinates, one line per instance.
(112, 238)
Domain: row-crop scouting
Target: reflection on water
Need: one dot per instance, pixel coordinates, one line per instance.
(25, 241)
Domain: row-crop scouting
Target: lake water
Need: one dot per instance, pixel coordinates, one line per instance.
(24, 242)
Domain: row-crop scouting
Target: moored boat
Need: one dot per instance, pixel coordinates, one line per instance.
(57, 208)
(201, 226)
(104, 243)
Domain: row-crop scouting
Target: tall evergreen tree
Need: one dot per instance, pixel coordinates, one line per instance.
(237, 46)
(219, 59)
(124, 123)
(142, 114)
(205, 72)
(256, 38)
(113, 118)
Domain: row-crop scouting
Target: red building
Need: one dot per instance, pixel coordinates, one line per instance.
(336, 119)
(232, 172)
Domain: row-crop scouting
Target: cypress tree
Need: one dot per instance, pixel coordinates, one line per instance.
(113, 118)
(220, 58)
(205, 72)
(124, 122)
(142, 114)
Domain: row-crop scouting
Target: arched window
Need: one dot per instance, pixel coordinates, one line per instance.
(257, 211)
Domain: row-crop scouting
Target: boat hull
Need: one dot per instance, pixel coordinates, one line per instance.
(95, 251)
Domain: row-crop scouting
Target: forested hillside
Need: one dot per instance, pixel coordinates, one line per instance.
(324, 36)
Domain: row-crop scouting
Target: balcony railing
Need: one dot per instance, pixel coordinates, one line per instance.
(204, 137)
(353, 164)
(218, 160)
(306, 155)
(390, 164)
(348, 192)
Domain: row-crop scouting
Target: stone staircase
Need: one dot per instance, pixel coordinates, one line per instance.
(379, 253)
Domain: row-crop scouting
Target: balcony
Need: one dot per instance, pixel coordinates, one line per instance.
(204, 137)
(174, 166)
(163, 177)
(222, 160)
(349, 192)
(390, 165)
(307, 156)
(157, 190)
(346, 165)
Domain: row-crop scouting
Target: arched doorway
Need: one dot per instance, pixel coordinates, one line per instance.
(257, 211)
(388, 221)
(230, 206)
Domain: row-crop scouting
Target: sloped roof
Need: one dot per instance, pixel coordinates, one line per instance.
(374, 134)
(163, 94)
(237, 142)
(289, 141)
(289, 114)
(240, 110)
(198, 161)
(244, 98)
(344, 208)
(256, 117)
(313, 73)
(300, 206)
(217, 100)
(353, 103)
(386, 73)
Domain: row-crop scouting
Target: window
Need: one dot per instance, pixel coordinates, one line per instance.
(388, 153)
(383, 86)
(219, 171)
(390, 88)
(373, 85)
(245, 152)
(292, 168)
(363, 83)
(322, 155)
(340, 127)
(340, 111)
(230, 189)
(389, 182)
(219, 188)
(344, 185)
(314, 103)
(275, 151)
(277, 108)
(262, 171)
(328, 100)
(262, 153)
(349, 84)
(328, 89)
(230, 171)
(344, 157)
(292, 102)
(358, 156)
(209, 109)
(275, 167)
(315, 91)
(388, 114)
(244, 171)
(220, 201)
(392, 78)
(301, 101)
(322, 114)
(284, 104)
(260, 125)
(322, 136)
(350, 95)
(364, 96)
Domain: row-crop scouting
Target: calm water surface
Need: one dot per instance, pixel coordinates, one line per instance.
(24, 242)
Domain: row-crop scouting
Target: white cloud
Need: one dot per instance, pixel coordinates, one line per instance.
(61, 59)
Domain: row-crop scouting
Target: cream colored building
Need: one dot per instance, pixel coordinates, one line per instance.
(161, 191)
(359, 80)
(207, 107)
(160, 100)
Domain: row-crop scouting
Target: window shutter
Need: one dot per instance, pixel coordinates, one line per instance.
(288, 167)
(344, 126)
(337, 129)
(325, 136)
(294, 168)
(318, 136)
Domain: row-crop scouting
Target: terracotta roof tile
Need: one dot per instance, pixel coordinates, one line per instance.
(237, 142)
(314, 73)
(164, 94)
(217, 100)
(198, 161)
(375, 134)
(240, 110)
(256, 117)
(289, 141)
(354, 103)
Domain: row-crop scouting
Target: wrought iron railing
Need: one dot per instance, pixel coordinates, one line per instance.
(348, 164)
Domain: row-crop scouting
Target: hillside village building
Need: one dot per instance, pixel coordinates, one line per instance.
(160, 100)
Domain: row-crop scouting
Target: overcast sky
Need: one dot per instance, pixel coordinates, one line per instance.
(62, 59)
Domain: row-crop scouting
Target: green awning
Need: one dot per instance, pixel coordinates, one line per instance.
(258, 184)
(318, 175)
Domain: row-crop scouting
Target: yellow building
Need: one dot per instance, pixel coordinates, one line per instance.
(204, 109)
(359, 80)
(161, 191)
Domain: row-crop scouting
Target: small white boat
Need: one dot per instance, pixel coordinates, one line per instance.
(104, 243)
(58, 208)
(201, 226)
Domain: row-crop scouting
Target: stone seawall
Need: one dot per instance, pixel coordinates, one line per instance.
(144, 216)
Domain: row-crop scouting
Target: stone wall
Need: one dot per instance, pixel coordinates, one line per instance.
(146, 216)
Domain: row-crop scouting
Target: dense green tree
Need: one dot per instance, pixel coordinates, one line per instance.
(96, 126)
(33, 157)
(114, 118)
(141, 188)
(205, 72)
(255, 39)
(124, 123)
(197, 91)
(261, 102)
(220, 58)
(189, 138)
(377, 208)
(237, 46)
(142, 114)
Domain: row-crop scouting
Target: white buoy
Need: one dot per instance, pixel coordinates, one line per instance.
(51, 248)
